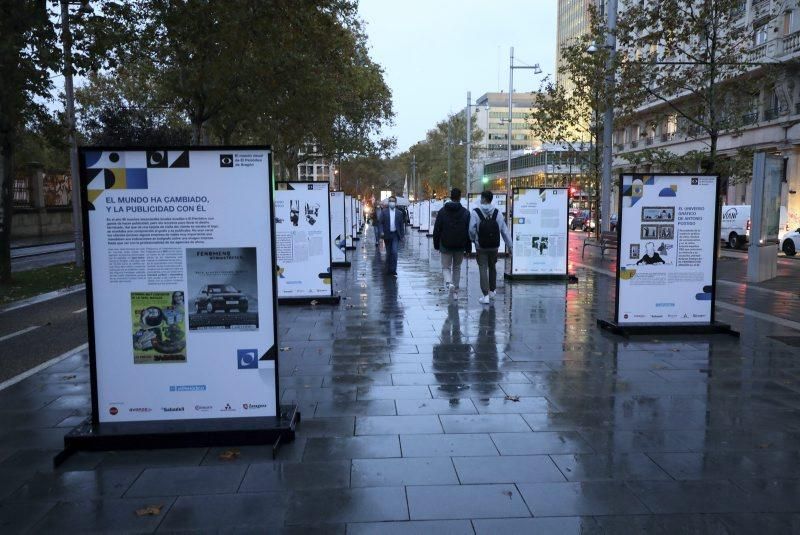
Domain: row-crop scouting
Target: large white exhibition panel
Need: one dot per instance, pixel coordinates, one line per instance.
(303, 239)
(499, 201)
(338, 240)
(181, 283)
(415, 215)
(425, 216)
(666, 249)
(539, 231)
(435, 206)
(348, 220)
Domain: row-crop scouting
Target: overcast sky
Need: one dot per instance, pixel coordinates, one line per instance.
(434, 51)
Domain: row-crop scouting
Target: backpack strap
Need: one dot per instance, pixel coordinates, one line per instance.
(494, 214)
(480, 215)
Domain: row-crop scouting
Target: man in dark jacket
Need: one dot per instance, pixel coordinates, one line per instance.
(393, 230)
(451, 239)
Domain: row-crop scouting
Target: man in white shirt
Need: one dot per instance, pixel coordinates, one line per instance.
(392, 226)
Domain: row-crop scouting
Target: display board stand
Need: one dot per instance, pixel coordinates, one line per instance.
(661, 208)
(649, 330)
(275, 430)
(547, 200)
(139, 174)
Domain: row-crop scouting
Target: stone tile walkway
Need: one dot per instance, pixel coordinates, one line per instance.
(421, 415)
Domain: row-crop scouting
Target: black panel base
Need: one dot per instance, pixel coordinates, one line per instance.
(356, 239)
(341, 264)
(519, 277)
(429, 235)
(350, 248)
(674, 328)
(326, 300)
(420, 230)
(273, 430)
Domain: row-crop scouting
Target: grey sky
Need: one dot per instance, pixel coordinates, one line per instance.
(434, 51)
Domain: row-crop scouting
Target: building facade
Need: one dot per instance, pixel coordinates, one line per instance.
(317, 169)
(770, 124)
(573, 22)
(491, 111)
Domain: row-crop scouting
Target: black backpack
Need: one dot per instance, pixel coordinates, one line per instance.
(455, 226)
(488, 230)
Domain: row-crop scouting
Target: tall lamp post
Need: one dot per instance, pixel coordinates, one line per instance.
(468, 143)
(511, 69)
(66, 42)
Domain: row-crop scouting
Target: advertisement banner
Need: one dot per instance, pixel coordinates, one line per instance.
(348, 221)
(425, 216)
(338, 240)
(539, 231)
(303, 239)
(666, 253)
(181, 265)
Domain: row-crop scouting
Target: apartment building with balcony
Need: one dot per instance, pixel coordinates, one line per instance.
(770, 122)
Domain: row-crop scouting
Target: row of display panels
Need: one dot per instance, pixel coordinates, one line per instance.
(188, 251)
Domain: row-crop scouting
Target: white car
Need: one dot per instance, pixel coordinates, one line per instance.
(790, 242)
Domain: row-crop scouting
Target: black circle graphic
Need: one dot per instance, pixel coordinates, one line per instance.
(114, 157)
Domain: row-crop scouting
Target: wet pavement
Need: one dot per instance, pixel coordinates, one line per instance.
(421, 415)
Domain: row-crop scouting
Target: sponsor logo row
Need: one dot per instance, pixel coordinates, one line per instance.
(197, 408)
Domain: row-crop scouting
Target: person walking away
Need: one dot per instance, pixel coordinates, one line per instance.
(376, 221)
(451, 239)
(486, 226)
(393, 231)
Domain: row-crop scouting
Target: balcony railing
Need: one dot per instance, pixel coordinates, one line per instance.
(619, 147)
(757, 53)
(649, 140)
(791, 43)
(750, 118)
(761, 9)
(634, 144)
(667, 136)
(771, 114)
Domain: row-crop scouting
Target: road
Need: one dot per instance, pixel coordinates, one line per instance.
(39, 332)
(38, 256)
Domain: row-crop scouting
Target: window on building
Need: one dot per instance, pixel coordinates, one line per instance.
(788, 22)
(760, 35)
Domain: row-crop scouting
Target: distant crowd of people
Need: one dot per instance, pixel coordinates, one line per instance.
(455, 232)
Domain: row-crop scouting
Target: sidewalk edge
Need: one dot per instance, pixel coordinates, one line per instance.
(24, 375)
(41, 298)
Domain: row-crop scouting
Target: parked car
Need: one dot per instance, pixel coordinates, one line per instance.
(224, 297)
(583, 220)
(790, 242)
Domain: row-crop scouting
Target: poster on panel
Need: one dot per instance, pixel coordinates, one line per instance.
(424, 216)
(303, 239)
(666, 249)
(539, 231)
(348, 221)
(338, 240)
(181, 295)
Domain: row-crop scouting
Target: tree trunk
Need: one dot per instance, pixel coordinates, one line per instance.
(6, 208)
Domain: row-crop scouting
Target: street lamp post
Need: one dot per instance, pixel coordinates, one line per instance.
(66, 42)
(608, 117)
(511, 68)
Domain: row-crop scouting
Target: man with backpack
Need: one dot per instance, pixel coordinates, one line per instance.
(486, 226)
(451, 239)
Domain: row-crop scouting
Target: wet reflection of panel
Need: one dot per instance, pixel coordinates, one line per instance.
(463, 369)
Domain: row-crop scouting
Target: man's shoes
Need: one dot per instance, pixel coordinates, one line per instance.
(492, 294)
(484, 300)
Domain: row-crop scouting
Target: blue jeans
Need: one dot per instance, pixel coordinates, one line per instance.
(391, 240)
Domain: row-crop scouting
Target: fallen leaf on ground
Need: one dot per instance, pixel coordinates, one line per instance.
(764, 445)
(314, 303)
(150, 510)
(508, 493)
(229, 455)
(286, 348)
(512, 398)
(68, 377)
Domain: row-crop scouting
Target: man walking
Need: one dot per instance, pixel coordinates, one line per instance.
(486, 225)
(393, 231)
(451, 239)
(376, 221)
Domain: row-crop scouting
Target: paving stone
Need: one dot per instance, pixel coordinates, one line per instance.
(280, 476)
(376, 504)
(581, 499)
(103, 516)
(465, 501)
(329, 449)
(506, 469)
(484, 423)
(526, 526)
(248, 512)
(541, 442)
(415, 527)
(403, 472)
(187, 480)
(447, 445)
(395, 425)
